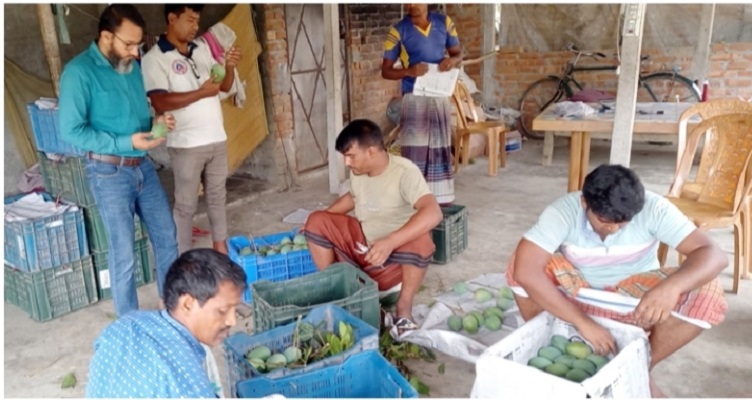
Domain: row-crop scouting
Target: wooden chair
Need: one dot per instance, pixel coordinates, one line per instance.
(494, 130)
(708, 110)
(724, 196)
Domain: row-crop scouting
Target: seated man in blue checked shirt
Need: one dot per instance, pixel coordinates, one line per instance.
(148, 354)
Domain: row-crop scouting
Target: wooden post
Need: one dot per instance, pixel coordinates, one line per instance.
(626, 93)
(701, 60)
(333, 95)
(51, 47)
(488, 83)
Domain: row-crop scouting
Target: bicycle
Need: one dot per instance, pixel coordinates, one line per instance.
(661, 86)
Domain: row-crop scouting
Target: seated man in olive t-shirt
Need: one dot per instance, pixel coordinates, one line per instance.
(389, 237)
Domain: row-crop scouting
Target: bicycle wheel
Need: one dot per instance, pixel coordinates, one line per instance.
(663, 87)
(535, 99)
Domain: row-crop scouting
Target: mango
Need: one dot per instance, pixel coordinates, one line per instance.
(285, 240)
(218, 71)
(258, 363)
(285, 249)
(299, 239)
(565, 359)
(598, 360)
(245, 251)
(549, 352)
(159, 130)
(276, 361)
(504, 303)
(506, 292)
(539, 362)
(479, 316)
(262, 353)
(455, 323)
(560, 342)
(299, 247)
(470, 323)
(483, 295)
(579, 350)
(460, 288)
(292, 354)
(586, 366)
(272, 252)
(493, 323)
(493, 311)
(577, 375)
(559, 370)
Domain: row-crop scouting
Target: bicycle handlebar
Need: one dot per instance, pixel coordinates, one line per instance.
(571, 47)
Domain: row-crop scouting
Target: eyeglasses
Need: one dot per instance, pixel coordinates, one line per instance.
(194, 68)
(130, 46)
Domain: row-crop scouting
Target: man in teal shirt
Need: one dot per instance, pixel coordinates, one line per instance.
(104, 111)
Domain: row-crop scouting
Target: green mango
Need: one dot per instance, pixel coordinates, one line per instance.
(549, 352)
(559, 370)
(299, 239)
(455, 323)
(539, 362)
(261, 353)
(579, 350)
(218, 71)
(577, 375)
(159, 130)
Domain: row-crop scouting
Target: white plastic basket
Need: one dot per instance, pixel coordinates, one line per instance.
(502, 371)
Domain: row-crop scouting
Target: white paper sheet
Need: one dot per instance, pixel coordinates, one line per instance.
(435, 83)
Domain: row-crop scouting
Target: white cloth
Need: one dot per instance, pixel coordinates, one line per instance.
(226, 38)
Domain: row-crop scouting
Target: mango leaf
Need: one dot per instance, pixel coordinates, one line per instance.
(69, 381)
(419, 386)
(334, 343)
(442, 368)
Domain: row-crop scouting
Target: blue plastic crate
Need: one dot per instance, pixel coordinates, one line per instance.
(275, 268)
(46, 129)
(280, 338)
(44, 243)
(364, 375)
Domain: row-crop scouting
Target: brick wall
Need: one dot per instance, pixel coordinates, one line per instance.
(467, 19)
(370, 93)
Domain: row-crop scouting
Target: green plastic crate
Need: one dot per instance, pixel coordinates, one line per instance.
(66, 178)
(52, 293)
(143, 269)
(9, 278)
(279, 303)
(450, 237)
(97, 234)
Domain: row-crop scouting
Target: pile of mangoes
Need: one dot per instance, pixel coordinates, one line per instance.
(286, 245)
(572, 360)
(309, 344)
(491, 317)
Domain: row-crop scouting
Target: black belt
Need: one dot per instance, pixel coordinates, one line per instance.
(116, 160)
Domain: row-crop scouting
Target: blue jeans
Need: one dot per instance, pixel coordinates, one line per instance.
(121, 191)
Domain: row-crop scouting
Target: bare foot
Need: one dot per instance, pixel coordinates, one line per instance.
(655, 392)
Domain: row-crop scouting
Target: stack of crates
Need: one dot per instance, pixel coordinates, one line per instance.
(48, 271)
(64, 175)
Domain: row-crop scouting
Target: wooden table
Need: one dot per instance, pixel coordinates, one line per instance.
(652, 118)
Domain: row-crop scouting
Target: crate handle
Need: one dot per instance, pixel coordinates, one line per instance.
(54, 224)
(63, 272)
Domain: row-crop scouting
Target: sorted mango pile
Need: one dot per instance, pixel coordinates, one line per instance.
(310, 344)
(490, 317)
(286, 245)
(567, 359)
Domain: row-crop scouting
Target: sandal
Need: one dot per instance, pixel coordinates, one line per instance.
(404, 324)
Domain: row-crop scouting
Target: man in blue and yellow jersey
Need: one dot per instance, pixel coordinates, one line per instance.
(419, 39)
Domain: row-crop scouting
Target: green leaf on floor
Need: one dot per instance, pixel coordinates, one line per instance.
(69, 381)
(419, 386)
(442, 368)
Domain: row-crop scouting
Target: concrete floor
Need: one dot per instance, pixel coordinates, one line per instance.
(38, 355)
